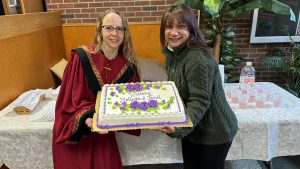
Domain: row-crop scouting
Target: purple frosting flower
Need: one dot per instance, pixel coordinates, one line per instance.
(149, 86)
(137, 87)
(157, 86)
(153, 103)
(144, 105)
(118, 89)
(122, 108)
(124, 103)
(129, 87)
(134, 105)
(116, 103)
(112, 93)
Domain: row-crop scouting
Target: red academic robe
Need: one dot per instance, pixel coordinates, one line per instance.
(74, 145)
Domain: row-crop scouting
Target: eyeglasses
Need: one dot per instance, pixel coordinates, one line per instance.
(110, 29)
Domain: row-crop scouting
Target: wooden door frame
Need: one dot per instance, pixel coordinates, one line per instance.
(5, 7)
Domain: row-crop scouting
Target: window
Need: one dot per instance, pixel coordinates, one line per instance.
(268, 27)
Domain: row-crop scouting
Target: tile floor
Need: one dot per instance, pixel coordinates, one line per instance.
(236, 164)
(288, 162)
(291, 162)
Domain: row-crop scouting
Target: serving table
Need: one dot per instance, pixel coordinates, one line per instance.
(263, 133)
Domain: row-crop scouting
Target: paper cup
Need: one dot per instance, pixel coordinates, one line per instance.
(261, 99)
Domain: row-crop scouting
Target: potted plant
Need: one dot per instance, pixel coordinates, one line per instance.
(287, 60)
(229, 59)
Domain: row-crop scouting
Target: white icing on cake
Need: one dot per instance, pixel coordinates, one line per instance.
(140, 104)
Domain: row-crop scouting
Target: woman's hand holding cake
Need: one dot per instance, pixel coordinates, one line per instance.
(166, 129)
(89, 123)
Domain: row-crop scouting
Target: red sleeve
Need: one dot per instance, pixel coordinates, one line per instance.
(74, 100)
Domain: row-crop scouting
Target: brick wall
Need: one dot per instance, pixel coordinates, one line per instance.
(254, 52)
(87, 11)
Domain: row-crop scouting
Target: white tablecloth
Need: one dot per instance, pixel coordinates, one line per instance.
(262, 135)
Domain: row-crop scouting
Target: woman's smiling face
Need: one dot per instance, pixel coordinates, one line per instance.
(176, 33)
(112, 38)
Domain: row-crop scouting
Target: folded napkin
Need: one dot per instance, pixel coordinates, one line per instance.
(27, 101)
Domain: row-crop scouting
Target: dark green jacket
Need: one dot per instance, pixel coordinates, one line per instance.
(198, 80)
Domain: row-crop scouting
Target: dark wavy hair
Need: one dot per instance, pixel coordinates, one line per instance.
(183, 14)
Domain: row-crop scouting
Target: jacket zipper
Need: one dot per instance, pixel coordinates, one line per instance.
(173, 70)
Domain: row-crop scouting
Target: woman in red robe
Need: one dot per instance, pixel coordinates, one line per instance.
(110, 60)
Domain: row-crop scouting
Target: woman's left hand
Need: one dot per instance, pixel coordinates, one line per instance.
(89, 123)
(166, 129)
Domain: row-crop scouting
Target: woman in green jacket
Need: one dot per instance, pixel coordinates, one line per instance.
(196, 74)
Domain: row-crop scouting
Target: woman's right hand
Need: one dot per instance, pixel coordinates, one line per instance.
(89, 123)
(166, 129)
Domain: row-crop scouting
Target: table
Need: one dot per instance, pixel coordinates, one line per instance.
(263, 134)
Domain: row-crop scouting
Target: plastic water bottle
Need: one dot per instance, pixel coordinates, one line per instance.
(247, 75)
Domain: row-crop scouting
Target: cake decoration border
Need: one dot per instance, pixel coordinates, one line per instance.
(186, 123)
